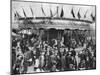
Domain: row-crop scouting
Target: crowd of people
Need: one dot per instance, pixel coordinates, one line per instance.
(72, 50)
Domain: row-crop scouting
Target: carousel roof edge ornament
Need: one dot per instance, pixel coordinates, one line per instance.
(51, 20)
(58, 17)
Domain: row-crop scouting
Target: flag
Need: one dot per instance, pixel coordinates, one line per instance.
(62, 13)
(78, 15)
(85, 14)
(93, 17)
(57, 11)
(32, 12)
(24, 13)
(43, 10)
(16, 15)
(51, 15)
(72, 12)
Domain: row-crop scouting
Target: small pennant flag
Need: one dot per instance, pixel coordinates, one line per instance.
(62, 13)
(16, 15)
(78, 15)
(72, 12)
(93, 17)
(24, 13)
(32, 12)
(43, 10)
(85, 14)
(51, 15)
(57, 11)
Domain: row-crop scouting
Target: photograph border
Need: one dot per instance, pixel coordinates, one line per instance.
(48, 3)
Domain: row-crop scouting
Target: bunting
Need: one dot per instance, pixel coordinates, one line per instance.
(62, 13)
(16, 15)
(32, 12)
(43, 10)
(57, 11)
(57, 15)
(85, 14)
(78, 15)
(93, 17)
(72, 12)
(51, 15)
(24, 12)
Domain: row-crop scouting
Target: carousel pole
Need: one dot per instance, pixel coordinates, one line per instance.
(40, 40)
(58, 41)
(48, 35)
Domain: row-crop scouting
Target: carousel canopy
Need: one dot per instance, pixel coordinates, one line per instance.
(58, 16)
